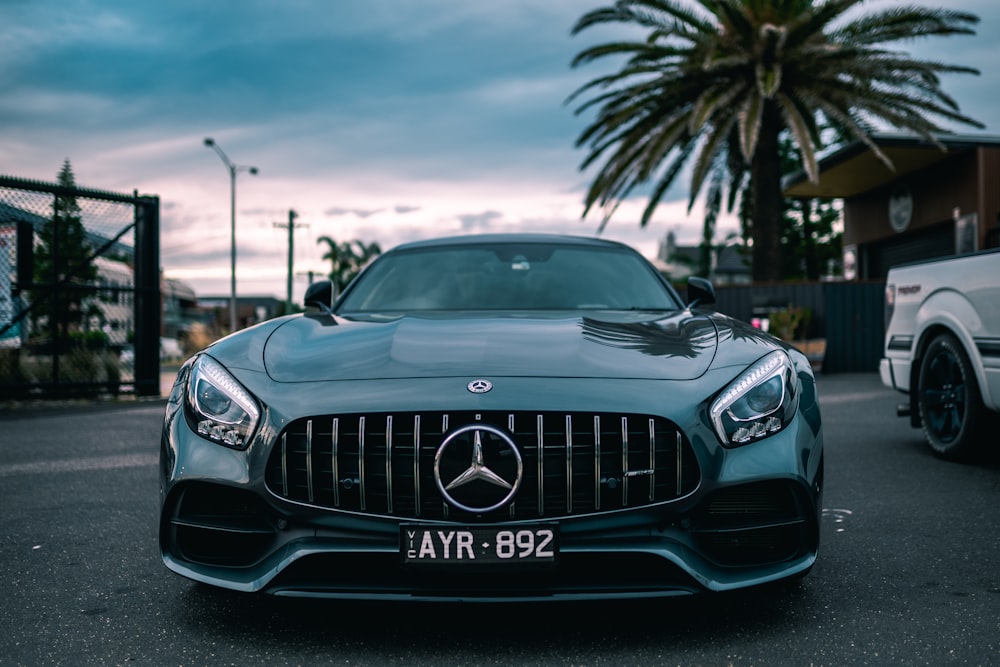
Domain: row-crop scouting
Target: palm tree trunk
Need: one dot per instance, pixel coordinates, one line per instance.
(766, 198)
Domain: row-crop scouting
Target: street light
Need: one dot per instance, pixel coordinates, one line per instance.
(233, 170)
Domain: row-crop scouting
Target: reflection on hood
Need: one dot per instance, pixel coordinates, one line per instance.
(687, 338)
(661, 346)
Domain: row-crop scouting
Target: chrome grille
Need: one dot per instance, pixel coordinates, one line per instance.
(574, 463)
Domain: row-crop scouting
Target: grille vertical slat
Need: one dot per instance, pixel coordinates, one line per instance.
(578, 466)
(334, 458)
(284, 462)
(309, 459)
(597, 462)
(625, 469)
(361, 464)
(511, 424)
(569, 464)
(388, 463)
(652, 460)
(540, 430)
(680, 464)
(416, 465)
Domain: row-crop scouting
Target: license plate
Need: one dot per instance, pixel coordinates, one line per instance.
(478, 545)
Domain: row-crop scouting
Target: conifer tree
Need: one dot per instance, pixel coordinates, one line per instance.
(63, 264)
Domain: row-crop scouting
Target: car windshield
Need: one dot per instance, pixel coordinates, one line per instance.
(509, 276)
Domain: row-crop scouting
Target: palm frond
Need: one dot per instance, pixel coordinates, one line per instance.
(804, 134)
(716, 138)
(712, 84)
(667, 179)
(905, 23)
(749, 128)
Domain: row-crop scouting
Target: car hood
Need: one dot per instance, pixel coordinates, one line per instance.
(674, 346)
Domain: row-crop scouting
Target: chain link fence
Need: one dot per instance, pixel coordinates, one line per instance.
(79, 291)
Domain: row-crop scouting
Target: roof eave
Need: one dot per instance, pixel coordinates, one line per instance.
(854, 169)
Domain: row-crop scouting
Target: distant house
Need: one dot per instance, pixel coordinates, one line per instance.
(115, 303)
(729, 265)
(180, 307)
(249, 309)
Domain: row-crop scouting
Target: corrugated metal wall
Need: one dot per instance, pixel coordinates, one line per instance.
(744, 302)
(855, 326)
(849, 315)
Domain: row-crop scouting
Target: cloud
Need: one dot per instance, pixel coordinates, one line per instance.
(478, 221)
(419, 118)
(359, 212)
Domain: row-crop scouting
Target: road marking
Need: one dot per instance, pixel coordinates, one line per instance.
(78, 465)
(856, 397)
(840, 517)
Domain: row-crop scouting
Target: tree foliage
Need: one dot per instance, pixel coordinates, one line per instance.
(714, 83)
(810, 237)
(347, 258)
(63, 263)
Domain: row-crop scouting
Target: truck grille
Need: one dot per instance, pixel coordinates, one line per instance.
(573, 463)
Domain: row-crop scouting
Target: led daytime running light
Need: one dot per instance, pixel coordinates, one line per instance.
(733, 430)
(214, 373)
(220, 409)
(751, 379)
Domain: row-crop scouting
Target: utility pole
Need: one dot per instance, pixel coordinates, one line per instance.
(291, 226)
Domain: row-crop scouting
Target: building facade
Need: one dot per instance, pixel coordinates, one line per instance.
(940, 199)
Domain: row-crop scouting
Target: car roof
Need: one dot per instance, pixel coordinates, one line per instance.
(480, 239)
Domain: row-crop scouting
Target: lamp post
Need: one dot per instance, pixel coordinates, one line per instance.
(233, 170)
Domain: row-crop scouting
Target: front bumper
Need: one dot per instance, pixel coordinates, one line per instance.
(603, 564)
(895, 373)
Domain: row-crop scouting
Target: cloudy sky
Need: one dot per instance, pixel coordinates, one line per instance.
(379, 120)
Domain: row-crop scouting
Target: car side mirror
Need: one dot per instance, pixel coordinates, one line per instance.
(320, 295)
(700, 292)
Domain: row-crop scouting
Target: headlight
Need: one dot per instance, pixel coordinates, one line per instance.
(221, 409)
(758, 403)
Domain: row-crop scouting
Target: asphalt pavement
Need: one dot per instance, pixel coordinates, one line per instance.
(908, 571)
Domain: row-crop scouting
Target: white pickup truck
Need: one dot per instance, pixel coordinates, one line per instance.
(942, 347)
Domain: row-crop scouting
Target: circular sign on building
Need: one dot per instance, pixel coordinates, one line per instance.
(900, 208)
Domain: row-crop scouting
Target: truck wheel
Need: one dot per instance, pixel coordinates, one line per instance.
(951, 408)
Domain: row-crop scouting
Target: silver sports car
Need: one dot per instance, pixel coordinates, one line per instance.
(523, 417)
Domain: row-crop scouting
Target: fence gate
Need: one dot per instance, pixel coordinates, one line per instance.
(79, 292)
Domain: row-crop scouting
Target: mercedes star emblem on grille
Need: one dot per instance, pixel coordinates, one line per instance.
(480, 386)
(486, 482)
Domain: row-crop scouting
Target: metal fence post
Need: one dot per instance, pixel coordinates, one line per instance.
(147, 296)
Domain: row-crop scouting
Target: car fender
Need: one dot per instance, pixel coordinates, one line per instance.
(950, 310)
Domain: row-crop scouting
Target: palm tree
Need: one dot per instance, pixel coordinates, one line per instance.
(719, 81)
(347, 259)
